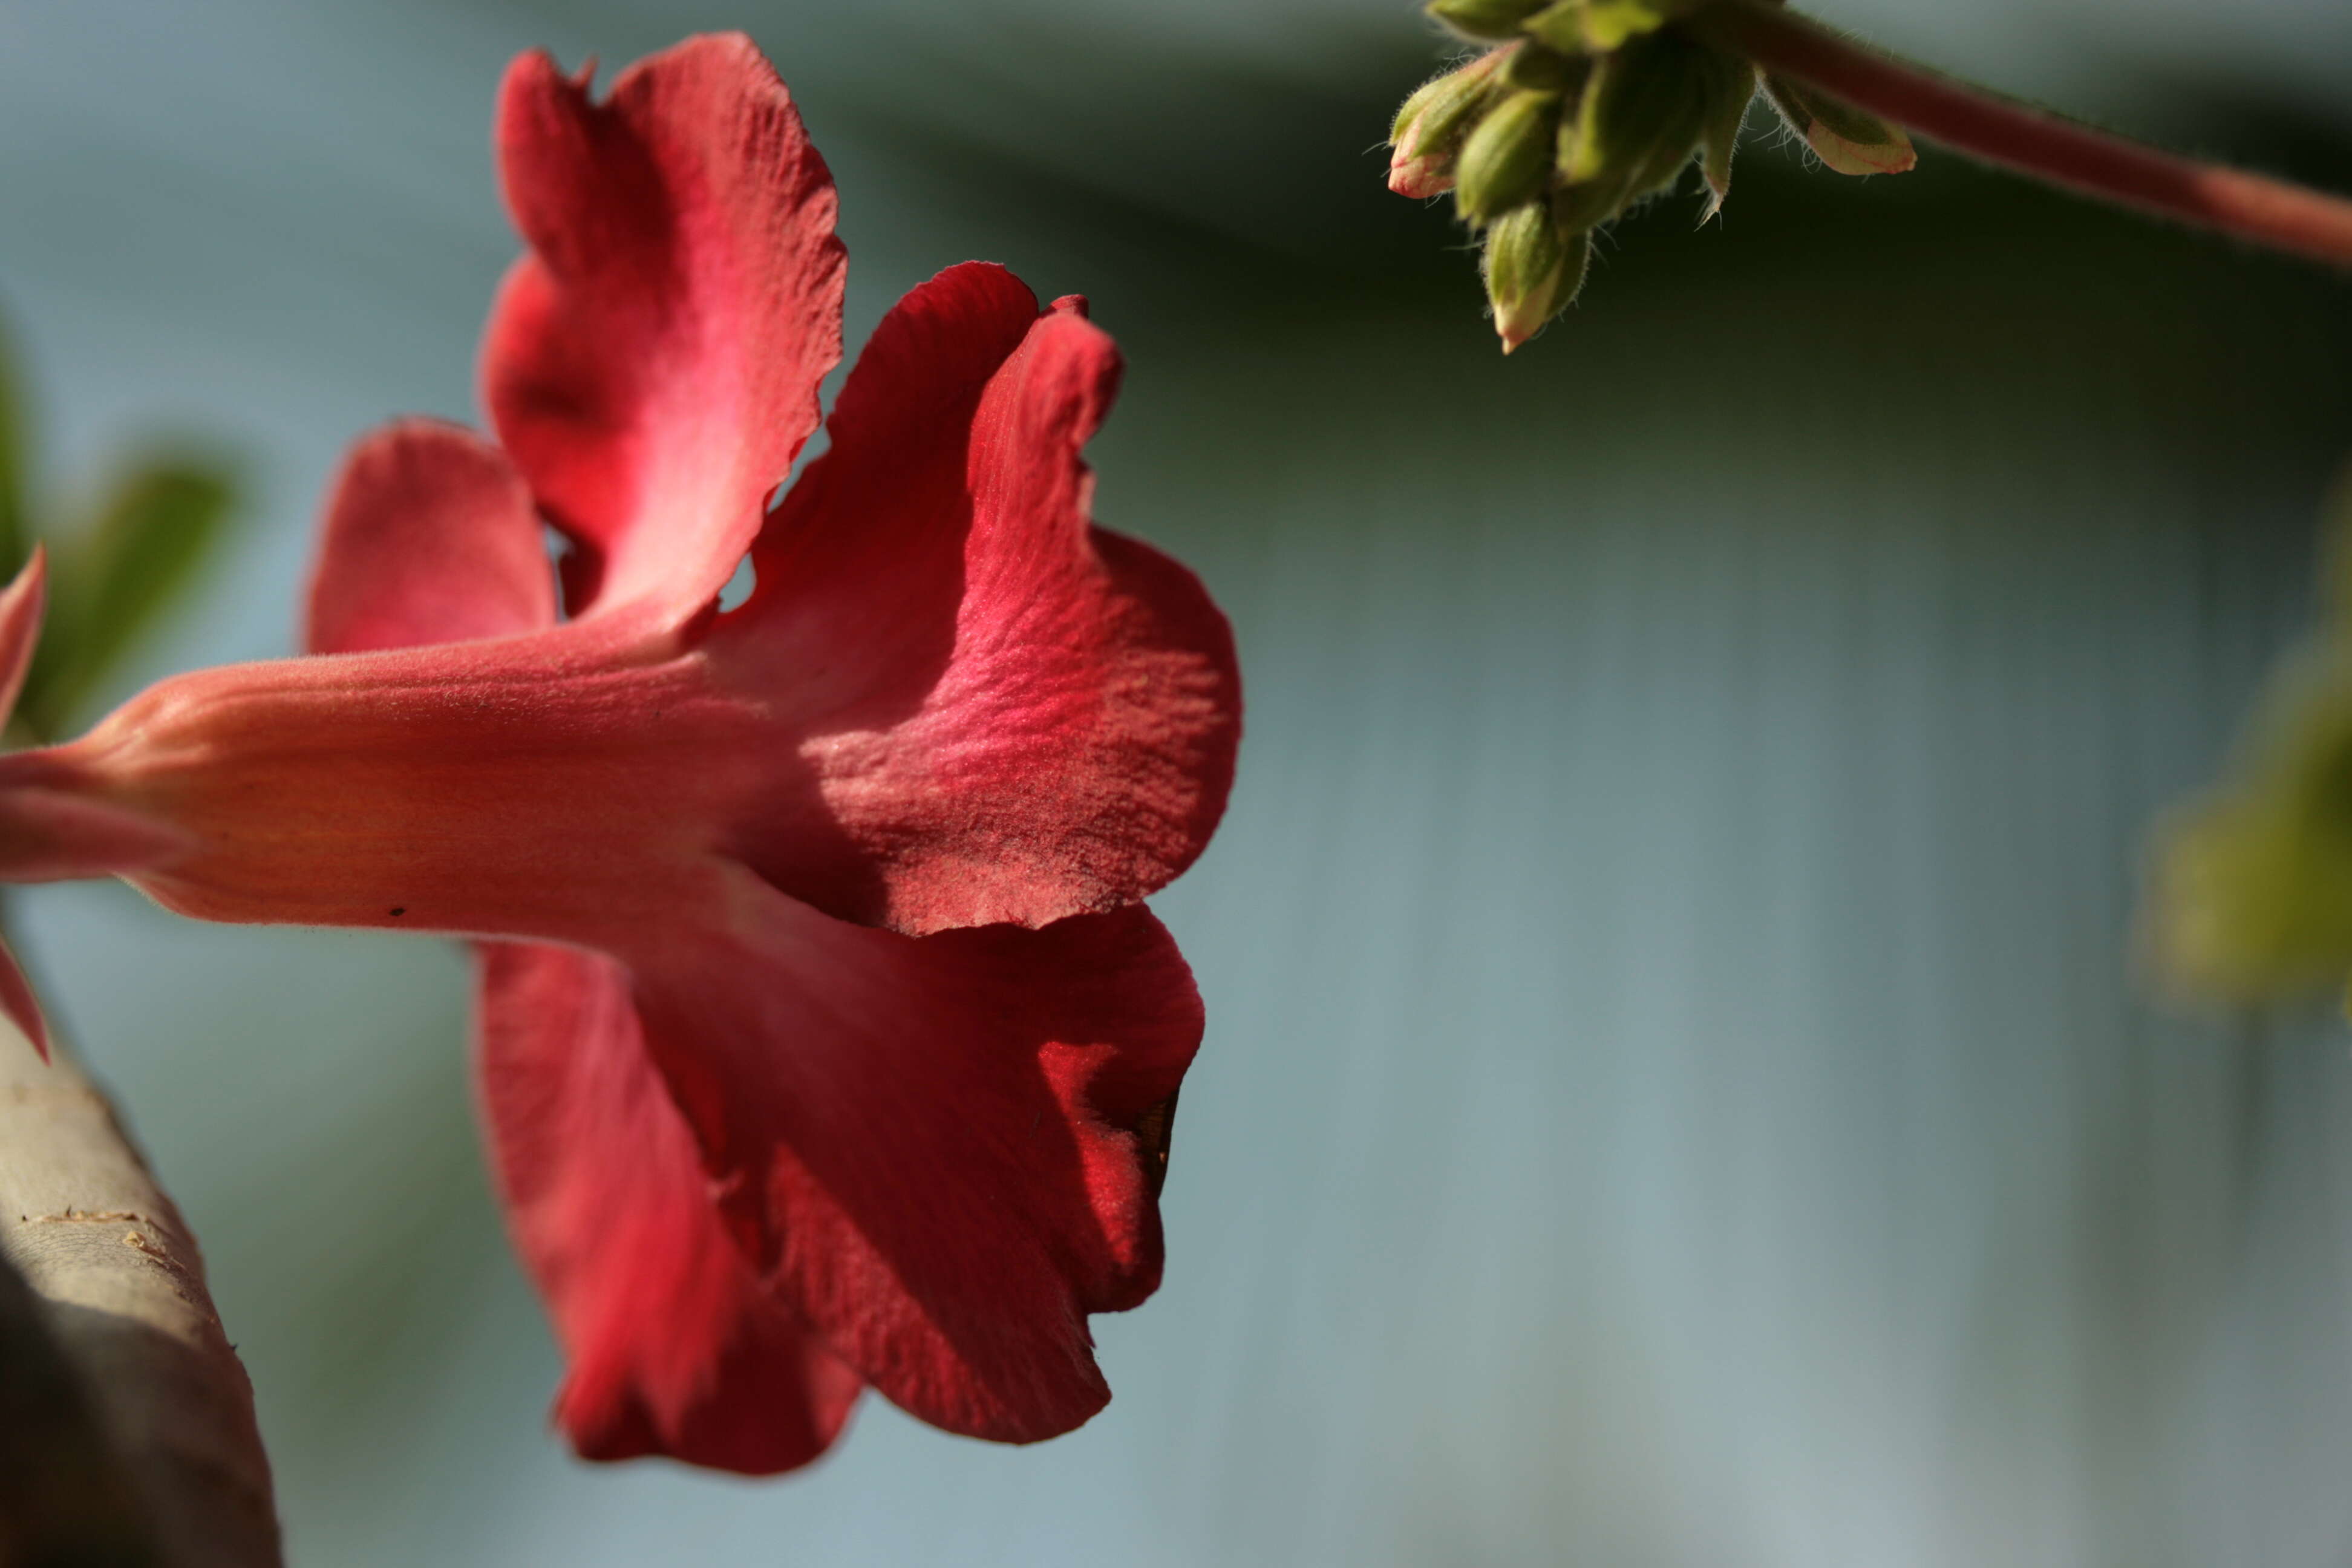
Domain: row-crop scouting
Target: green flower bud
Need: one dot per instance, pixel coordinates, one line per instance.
(1589, 204)
(1492, 20)
(1559, 27)
(1440, 104)
(1508, 158)
(1640, 115)
(1534, 267)
(1600, 25)
(1430, 127)
(1845, 138)
(1539, 69)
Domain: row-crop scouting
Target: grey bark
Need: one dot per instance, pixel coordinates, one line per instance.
(120, 1396)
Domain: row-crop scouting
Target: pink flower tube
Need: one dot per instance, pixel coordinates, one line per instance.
(825, 1038)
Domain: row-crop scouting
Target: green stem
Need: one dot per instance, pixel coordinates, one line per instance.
(2043, 146)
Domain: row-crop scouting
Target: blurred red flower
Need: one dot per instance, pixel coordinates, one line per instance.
(825, 1040)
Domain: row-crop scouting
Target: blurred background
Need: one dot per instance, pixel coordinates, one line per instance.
(1678, 1087)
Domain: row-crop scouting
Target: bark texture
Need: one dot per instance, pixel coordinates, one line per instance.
(130, 1392)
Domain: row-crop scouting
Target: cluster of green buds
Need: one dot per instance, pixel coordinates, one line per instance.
(1579, 109)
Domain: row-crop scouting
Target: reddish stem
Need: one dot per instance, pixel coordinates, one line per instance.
(2000, 131)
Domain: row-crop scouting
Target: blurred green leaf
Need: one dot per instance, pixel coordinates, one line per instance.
(109, 583)
(2254, 891)
(14, 480)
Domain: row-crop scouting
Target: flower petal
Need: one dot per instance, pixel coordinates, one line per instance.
(653, 362)
(20, 627)
(19, 1005)
(674, 1346)
(947, 1149)
(1012, 716)
(429, 538)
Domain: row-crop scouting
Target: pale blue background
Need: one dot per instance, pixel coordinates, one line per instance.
(1677, 1089)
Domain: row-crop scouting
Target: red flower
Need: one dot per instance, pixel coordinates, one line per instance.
(824, 1040)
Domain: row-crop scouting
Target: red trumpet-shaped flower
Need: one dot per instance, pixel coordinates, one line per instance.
(824, 1040)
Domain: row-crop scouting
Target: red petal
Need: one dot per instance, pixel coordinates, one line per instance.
(1013, 716)
(429, 538)
(20, 627)
(946, 1148)
(675, 1347)
(18, 1003)
(653, 363)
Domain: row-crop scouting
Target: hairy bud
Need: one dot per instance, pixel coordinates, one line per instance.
(1603, 24)
(1507, 159)
(1534, 267)
(1538, 69)
(1430, 127)
(1640, 116)
(1845, 138)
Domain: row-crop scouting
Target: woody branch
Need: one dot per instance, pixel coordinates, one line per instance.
(120, 1393)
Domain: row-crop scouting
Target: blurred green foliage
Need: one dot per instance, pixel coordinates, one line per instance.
(12, 461)
(2254, 893)
(115, 568)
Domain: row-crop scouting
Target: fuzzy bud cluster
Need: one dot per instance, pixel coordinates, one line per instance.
(1579, 109)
